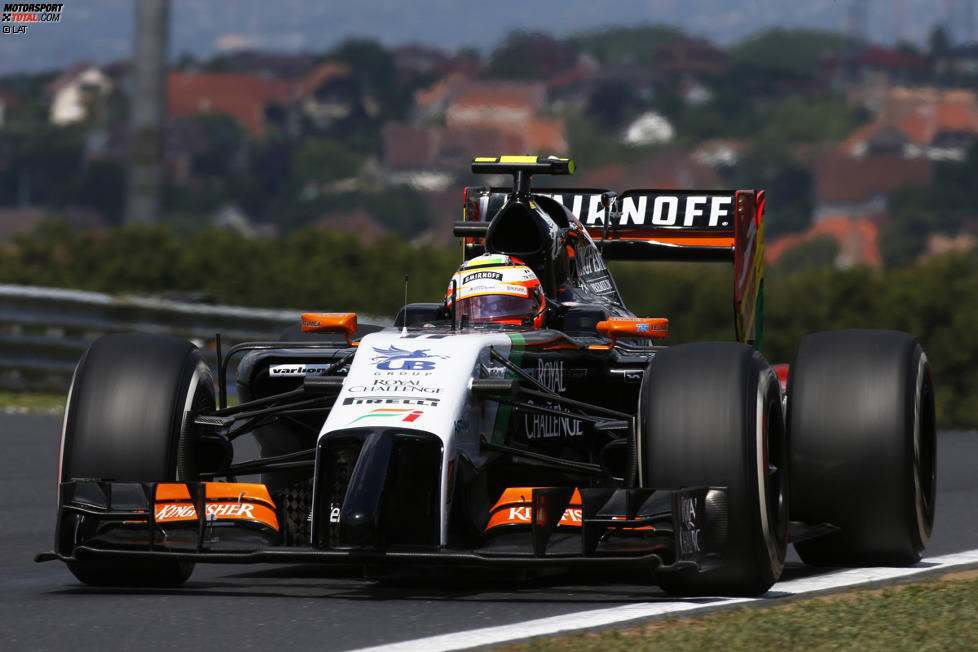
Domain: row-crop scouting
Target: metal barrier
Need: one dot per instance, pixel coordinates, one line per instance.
(44, 331)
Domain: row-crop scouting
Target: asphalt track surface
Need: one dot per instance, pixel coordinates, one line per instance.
(223, 607)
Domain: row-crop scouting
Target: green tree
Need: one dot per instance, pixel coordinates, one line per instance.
(787, 183)
(938, 42)
(820, 251)
(101, 187)
(319, 160)
(530, 55)
(375, 70)
(785, 52)
(625, 44)
(221, 151)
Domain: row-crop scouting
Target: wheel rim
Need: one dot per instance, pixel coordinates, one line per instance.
(771, 465)
(924, 446)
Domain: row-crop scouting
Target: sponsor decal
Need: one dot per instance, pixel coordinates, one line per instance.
(590, 263)
(28, 14)
(494, 276)
(601, 286)
(593, 272)
(545, 426)
(391, 400)
(571, 516)
(183, 512)
(395, 359)
(298, 369)
(630, 375)
(494, 371)
(656, 210)
(406, 414)
(461, 428)
(550, 374)
(690, 535)
(399, 385)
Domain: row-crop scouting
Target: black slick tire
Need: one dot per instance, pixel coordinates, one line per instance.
(710, 415)
(125, 422)
(863, 447)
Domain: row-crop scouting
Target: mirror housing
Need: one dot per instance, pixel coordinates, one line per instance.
(653, 328)
(331, 322)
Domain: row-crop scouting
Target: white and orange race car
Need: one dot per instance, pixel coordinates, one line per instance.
(580, 441)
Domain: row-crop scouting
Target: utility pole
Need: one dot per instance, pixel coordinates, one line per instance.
(858, 22)
(147, 110)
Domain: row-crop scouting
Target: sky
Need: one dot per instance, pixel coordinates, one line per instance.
(101, 30)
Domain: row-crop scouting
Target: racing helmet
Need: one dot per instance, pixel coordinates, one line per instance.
(497, 288)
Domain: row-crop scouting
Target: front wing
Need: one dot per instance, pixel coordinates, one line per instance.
(662, 530)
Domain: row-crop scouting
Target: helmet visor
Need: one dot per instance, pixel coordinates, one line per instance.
(491, 307)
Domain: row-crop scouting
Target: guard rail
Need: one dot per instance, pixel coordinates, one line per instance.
(44, 331)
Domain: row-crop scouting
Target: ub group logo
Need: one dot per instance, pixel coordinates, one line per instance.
(27, 13)
(395, 359)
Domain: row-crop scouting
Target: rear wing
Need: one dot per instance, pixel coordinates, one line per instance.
(664, 225)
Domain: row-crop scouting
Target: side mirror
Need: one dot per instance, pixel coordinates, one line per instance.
(331, 322)
(653, 328)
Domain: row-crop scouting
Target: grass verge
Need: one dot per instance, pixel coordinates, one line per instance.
(932, 615)
(31, 402)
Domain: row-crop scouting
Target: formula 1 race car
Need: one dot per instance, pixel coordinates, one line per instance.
(571, 440)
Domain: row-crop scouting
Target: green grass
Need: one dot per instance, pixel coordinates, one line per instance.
(933, 615)
(31, 402)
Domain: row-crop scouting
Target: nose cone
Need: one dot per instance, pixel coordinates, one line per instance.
(358, 527)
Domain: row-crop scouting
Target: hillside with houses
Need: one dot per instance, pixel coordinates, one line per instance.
(865, 151)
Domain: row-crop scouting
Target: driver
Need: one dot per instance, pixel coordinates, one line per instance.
(499, 289)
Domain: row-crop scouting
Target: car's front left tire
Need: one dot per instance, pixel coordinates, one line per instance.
(711, 415)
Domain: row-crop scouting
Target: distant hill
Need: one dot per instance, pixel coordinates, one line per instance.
(100, 30)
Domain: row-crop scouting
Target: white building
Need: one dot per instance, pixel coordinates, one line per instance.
(72, 94)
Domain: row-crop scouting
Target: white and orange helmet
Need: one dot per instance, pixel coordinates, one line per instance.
(497, 288)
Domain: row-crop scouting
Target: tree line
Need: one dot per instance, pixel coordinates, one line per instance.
(317, 269)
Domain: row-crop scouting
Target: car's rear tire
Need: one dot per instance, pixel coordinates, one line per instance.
(125, 421)
(711, 415)
(863, 447)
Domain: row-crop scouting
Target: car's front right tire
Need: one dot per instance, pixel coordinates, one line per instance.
(125, 422)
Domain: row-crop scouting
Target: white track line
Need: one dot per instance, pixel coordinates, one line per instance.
(602, 617)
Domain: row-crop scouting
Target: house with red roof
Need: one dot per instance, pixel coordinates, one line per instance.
(858, 187)
(509, 106)
(465, 119)
(857, 239)
(851, 196)
(330, 94)
(670, 169)
(692, 57)
(919, 123)
(327, 94)
(249, 99)
(872, 66)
